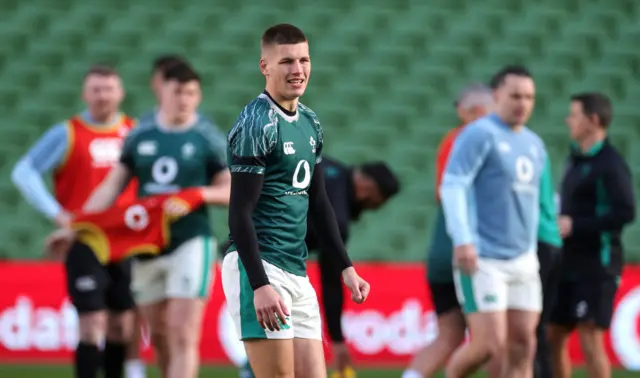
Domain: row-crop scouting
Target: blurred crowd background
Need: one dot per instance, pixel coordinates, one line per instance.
(384, 77)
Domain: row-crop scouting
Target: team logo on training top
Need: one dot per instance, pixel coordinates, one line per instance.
(312, 142)
(105, 151)
(147, 148)
(288, 148)
(504, 147)
(188, 149)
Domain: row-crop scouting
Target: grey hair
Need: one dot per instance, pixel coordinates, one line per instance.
(476, 95)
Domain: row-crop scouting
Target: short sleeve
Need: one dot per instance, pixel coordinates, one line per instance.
(250, 143)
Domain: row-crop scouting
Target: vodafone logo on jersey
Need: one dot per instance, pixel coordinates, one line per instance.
(625, 330)
(105, 151)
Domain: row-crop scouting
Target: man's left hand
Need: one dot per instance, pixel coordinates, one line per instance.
(359, 288)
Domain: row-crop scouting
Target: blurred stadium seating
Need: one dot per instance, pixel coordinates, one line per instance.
(384, 77)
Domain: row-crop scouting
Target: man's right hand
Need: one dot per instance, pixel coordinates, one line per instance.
(270, 308)
(466, 258)
(63, 219)
(57, 244)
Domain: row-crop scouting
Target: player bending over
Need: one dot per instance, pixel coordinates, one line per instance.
(273, 151)
(176, 151)
(351, 190)
(490, 197)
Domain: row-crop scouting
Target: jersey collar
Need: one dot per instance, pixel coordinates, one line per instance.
(284, 113)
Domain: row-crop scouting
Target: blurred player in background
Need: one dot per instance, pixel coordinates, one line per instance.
(179, 150)
(160, 66)
(474, 102)
(81, 151)
(597, 202)
(274, 149)
(490, 197)
(351, 191)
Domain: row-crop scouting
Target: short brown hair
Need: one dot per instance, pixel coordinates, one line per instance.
(101, 70)
(595, 103)
(283, 34)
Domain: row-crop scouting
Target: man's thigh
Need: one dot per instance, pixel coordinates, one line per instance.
(271, 358)
(119, 297)
(563, 312)
(486, 290)
(525, 295)
(239, 296)
(594, 301)
(309, 358)
(191, 270)
(305, 309)
(87, 279)
(148, 283)
(443, 297)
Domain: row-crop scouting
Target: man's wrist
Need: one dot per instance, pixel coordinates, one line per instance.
(257, 285)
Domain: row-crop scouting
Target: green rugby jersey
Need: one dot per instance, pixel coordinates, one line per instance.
(284, 147)
(166, 160)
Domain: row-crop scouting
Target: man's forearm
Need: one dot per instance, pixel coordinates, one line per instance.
(454, 204)
(324, 219)
(217, 194)
(245, 193)
(101, 198)
(30, 183)
(106, 193)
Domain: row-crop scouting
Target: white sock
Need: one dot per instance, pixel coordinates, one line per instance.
(411, 374)
(134, 369)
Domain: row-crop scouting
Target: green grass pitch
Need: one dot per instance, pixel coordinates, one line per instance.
(41, 371)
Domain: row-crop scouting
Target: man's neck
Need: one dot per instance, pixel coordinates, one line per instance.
(288, 105)
(100, 119)
(171, 122)
(515, 128)
(587, 144)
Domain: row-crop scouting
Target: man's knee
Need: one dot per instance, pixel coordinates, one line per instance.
(92, 327)
(184, 319)
(591, 341)
(557, 337)
(120, 326)
(450, 338)
(183, 335)
(488, 333)
(522, 346)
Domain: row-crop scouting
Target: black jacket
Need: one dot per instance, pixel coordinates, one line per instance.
(339, 183)
(597, 193)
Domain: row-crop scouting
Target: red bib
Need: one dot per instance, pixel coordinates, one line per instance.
(141, 227)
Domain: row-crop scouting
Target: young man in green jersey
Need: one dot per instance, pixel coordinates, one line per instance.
(273, 151)
(173, 151)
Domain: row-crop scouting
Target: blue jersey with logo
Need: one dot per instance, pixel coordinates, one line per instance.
(490, 188)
